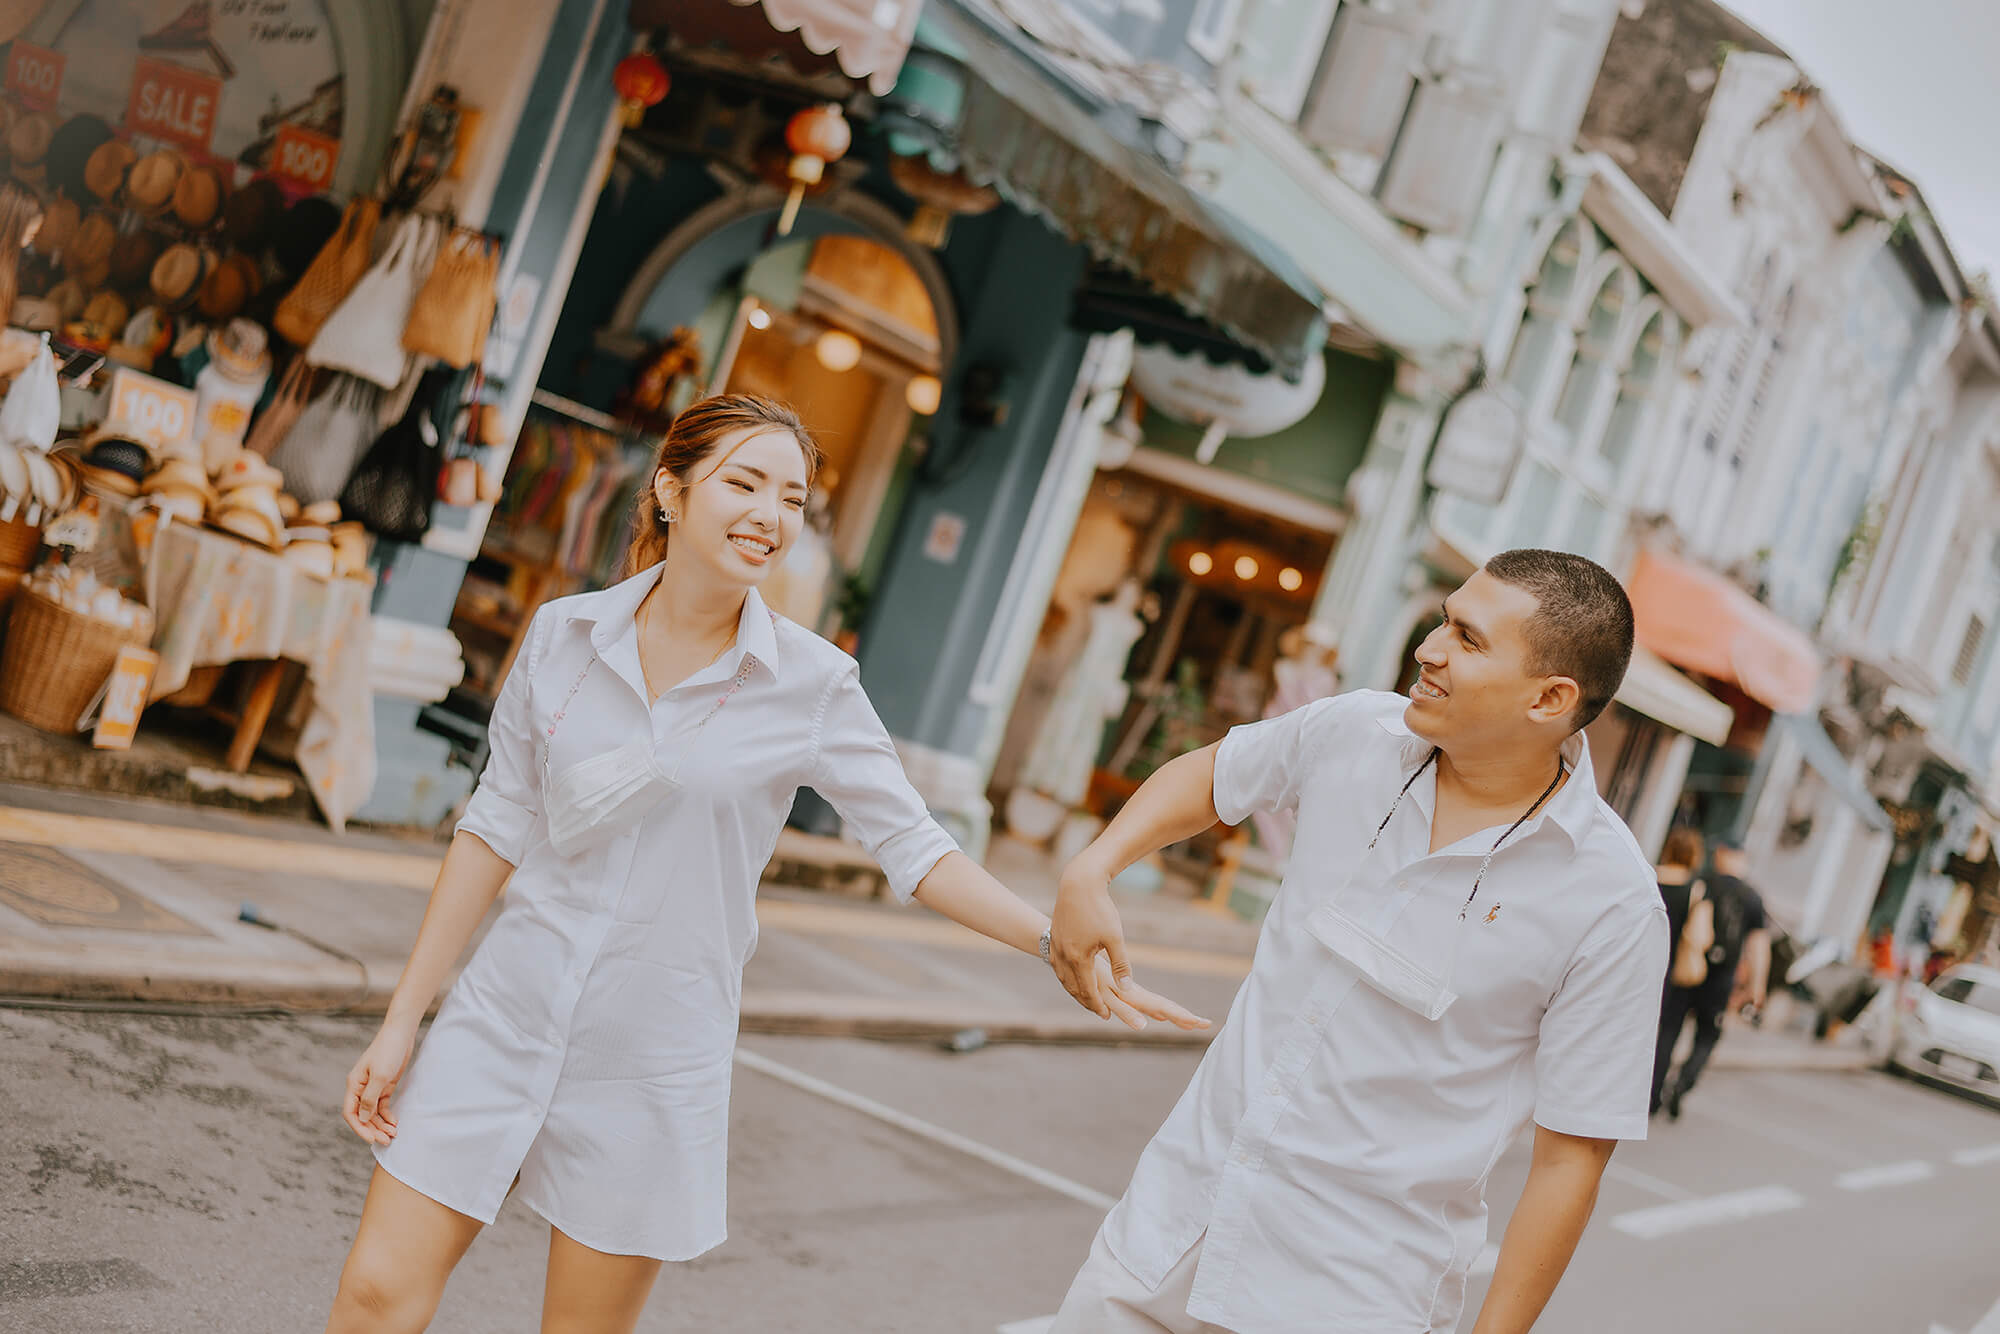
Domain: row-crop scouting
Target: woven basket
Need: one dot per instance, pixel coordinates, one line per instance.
(54, 660)
(18, 543)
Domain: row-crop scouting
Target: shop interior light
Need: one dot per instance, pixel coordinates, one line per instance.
(1246, 568)
(1291, 580)
(838, 350)
(923, 393)
(1200, 563)
(759, 318)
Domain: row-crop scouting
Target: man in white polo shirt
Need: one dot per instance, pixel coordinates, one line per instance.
(1467, 939)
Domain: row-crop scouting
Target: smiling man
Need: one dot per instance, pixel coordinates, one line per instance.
(1467, 939)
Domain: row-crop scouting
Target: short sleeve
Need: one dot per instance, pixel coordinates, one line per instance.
(506, 807)
(858, 771)
(1263, 766)
(1594, 1064)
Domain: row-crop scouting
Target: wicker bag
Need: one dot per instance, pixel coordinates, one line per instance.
(449, 317)
(331, 276)
(364, 336)
(55, 660)
(282, 413)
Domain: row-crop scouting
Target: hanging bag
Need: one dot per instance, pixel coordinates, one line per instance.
(391, 491)
(1697, 935)
(364, 337)
(331, 276)
(319, 452)
(451, 312)
(282, 413)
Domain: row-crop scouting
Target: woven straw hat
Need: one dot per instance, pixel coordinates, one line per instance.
(241, 350)
(59, 223)
(104, 172)
(132, 259)
(108, 311)
(28, 139)
(178, 276)
(91, 249)
(153, 181)
(69, 297)
(199, 197)
(229, 288)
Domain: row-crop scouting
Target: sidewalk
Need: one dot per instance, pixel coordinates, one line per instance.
(103, 900)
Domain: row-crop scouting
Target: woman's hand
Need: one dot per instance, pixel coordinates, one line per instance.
(373, 1079)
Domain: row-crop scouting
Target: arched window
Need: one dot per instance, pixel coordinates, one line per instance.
(1593, 368)
(1544, 325)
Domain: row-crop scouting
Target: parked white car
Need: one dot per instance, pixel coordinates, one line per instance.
(1951, 1031)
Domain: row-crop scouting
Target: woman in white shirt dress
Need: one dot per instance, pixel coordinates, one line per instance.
(646, 748)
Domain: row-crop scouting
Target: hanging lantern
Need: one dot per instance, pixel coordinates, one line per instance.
(940, 197)
(641, 81)
(817, 135)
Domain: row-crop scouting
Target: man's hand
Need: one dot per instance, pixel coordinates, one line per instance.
(1087, 950)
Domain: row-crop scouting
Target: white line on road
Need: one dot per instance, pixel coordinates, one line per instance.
(1991, 1323)
(950, 1139)
(1888, 1174)
(1985, 1153)
(1664, 1219)
(1041, 1324)
(1632, 1176)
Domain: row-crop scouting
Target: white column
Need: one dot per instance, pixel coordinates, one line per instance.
(1654, 814)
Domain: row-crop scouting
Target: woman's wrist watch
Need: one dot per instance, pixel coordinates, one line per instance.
(1043, 948)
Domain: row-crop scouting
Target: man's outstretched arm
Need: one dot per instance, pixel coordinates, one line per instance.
(1542, 1235)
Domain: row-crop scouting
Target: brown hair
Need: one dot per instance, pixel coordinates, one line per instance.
(696, 433)
(1582, 628)
(1683, 848)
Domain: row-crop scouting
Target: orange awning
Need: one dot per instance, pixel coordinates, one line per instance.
(866, 39)
(1695, 618)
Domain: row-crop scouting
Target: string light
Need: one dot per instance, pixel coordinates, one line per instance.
(1200, 563)
(1291, 580)
(1246, 568)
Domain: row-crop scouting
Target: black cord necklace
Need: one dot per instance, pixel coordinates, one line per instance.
(1526, 815)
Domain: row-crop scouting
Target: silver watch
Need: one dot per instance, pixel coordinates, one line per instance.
(1044, 946)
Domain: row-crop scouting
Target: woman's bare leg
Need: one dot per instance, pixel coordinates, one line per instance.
(404, 1250)
(590, 1292)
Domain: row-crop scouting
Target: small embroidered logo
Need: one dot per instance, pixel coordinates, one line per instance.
(1493, 912)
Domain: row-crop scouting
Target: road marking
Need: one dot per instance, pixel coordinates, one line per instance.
(1979, 1157)
(1888, 1174)
(1664, 1219)
(950, 1139)
(1789, 1137)
(1632, 1176)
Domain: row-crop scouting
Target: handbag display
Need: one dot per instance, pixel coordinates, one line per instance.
(331, 275)
(364, 336)
(318, 454)
(1697, 935)
(276, 421)
(392, 490)
(449, 317)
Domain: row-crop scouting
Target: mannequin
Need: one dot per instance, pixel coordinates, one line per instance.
(1092, 693)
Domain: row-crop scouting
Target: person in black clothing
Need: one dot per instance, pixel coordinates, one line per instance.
(1680, 858)
(1741, 937)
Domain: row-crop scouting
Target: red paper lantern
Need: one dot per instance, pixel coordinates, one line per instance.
(817, 135)
(641, 81)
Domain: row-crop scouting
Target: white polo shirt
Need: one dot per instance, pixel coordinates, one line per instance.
(1332, 1151)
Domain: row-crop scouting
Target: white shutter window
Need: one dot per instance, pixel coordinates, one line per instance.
(1443, 157)
(1364, 81)
(1497, 39)
(1280, 43)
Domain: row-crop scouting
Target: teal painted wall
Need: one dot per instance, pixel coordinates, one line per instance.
(1315, 456)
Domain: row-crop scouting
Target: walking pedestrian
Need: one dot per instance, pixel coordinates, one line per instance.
(1467, 938)
(1681, 859)
(646, 747)
(1742, 941)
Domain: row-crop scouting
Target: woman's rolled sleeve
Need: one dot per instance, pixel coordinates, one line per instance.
(506, 807)
(858, 771)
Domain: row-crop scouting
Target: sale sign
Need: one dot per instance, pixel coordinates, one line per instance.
(158, 415)
(34, 74)
(172, 103)
(304, 159)
(124, 698)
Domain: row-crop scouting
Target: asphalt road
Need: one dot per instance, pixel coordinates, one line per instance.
(173, 1174)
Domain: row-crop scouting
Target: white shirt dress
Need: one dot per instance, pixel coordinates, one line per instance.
(1330, 1157)
(586, 1046)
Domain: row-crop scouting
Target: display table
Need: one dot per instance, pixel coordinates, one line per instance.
(219, 600)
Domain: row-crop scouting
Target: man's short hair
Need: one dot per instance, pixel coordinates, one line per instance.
(1582, 628)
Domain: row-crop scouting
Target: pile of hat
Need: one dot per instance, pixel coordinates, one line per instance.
(246, 498)
(140, 253)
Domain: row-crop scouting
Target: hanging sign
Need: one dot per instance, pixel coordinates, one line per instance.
(304, 159)
(1229, 399)
(172, 103)
(1478, 446)
(34, 75)
(124, 698)
(158, 415)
